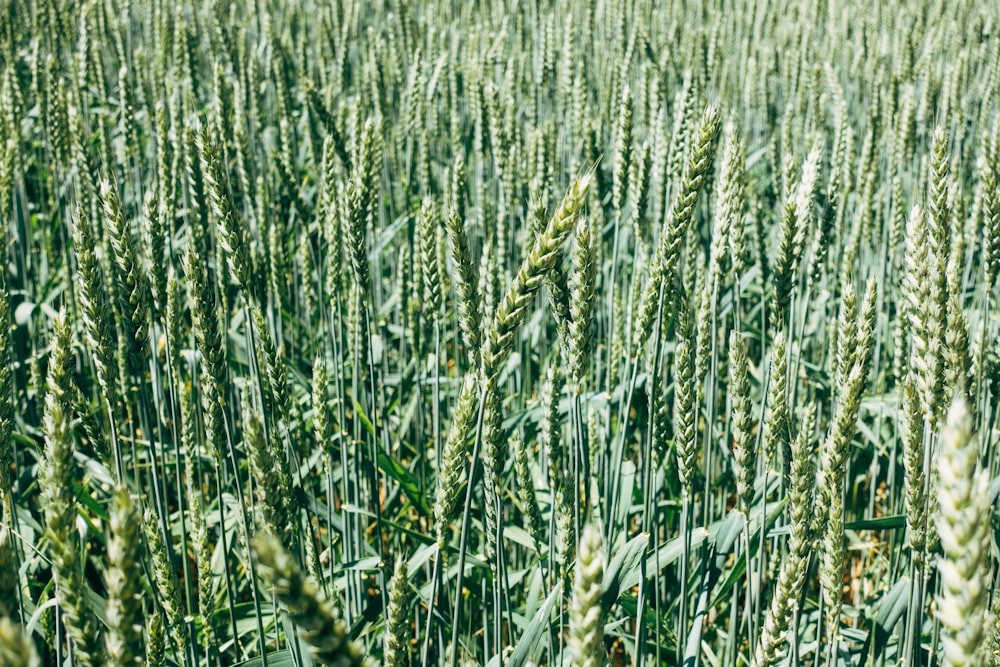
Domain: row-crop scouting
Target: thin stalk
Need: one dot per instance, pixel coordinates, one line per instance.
(179, 477)
(258, 616)
(434, 594)
(436, 390)
(466, 516)
(647, 488)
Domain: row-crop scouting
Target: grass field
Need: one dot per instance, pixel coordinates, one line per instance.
(538, 332)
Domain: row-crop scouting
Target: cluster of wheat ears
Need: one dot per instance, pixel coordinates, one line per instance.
(502, 332)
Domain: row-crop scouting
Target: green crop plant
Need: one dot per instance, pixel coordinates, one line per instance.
(560, 332)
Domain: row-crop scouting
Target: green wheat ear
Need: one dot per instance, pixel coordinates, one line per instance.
(271, 479)
(744, 450)
(583, 292)
(963, 524)
(123, 579)
(156, 645)
(669, 249)
(914, 472)
(231, 233)
(453, 461)
(98, 318)
(586, 615)
(795, 564)
(319, 625)
(57, 479)
(427, 226)
(514, 305)
(624, 151)
(130, 279)
(16, 648)
(165, 580)
(550, 426)
(526, 494)
(397, 619)
(684, 424)
(6, 405)
(8, 573)
(466, 284)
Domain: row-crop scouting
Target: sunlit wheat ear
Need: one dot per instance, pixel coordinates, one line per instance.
(16, 648)
(558, 286)
(324, 426)
(835, 454)
(991, 222)
(58, 477)
(272, 486)
(495, 449)
(685, 395)
(466, 285)
(586, 615)
(795, 563)
(209, 342)
(126, 620)
(777, 438)
(156, 641)
(131, 282)
(583, 290)
(513, 307)
(915, 475)
(857, 351)
(927, 260)
(963, 524)
(432, 287)
(744, 449)
(795, 220)
(639, 181)
(938, 190)
(232, 236)
(453, 462)
(701, 295)
(624, 151)
(367, 169)
(727, 232)
(915, 291)
(683, 119)
(278, 264)
(165, 579)
(533, 522)
(397, 638)
(564, 547)
(98, 318)
(272, 364)
(319, 626)
(202, 547)
(959, 377)
(550, 427)
(175, 323)
(155, 252)
(668, 251)
(864, 351)
(361, 202)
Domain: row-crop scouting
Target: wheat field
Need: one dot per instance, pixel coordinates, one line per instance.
(499, 333)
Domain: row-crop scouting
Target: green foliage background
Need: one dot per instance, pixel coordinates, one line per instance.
(526, 332)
